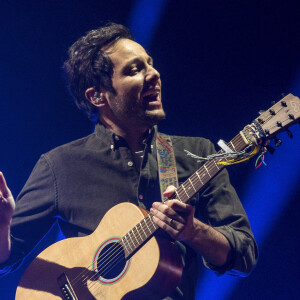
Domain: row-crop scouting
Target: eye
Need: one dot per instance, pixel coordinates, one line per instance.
(133, 71)
(136, 68)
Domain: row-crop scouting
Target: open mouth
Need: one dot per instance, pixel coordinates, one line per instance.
(153, 96)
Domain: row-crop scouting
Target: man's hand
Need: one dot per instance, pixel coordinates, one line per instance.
(175, 217)
(7, 204)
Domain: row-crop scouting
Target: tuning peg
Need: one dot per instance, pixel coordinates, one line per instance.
(261, 112)
(270, 149)
(277, 141)
(289, 133)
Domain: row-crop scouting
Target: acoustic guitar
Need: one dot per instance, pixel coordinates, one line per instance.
(127, 257)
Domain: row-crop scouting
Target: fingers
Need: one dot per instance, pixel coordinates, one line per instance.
(172, 228)
(166, 212)
(169, 191)
(4, 191)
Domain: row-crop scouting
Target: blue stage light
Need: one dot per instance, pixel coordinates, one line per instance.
(144, 19)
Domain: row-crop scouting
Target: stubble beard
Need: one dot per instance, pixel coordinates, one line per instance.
(137, 115)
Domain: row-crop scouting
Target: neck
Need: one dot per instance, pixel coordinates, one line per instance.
(134, 135)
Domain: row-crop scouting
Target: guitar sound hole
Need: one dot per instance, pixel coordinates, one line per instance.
(111, 261)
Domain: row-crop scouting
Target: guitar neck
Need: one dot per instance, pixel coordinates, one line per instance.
(138, 235)
(207, 172)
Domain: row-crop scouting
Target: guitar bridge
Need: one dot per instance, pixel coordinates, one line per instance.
(66, 288)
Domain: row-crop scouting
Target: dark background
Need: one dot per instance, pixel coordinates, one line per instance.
(220, 62)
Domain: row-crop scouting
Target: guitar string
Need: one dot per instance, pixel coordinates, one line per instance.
(92, 284)
(114, 262)
(209, 166)
(111, 250)
(106, 252)
(269, 117)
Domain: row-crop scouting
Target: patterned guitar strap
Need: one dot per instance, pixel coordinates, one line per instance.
(167, 170)
(166, 163)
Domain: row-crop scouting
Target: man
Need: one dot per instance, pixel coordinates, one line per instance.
(113, 80)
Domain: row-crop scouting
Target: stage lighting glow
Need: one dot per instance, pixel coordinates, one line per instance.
(144, 19)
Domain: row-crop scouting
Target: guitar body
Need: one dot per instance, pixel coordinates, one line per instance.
(152, 272)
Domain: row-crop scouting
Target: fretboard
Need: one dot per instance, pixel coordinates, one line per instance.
(138, 235)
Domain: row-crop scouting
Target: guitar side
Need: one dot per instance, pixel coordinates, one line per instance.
(153, 271)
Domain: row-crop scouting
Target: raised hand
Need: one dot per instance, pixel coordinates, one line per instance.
(7, 203)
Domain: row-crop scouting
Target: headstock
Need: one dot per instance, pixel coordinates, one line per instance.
(278, 118)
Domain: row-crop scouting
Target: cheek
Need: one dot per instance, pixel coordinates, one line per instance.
(134, 87)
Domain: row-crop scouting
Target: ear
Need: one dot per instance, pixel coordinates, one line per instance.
(96, 98)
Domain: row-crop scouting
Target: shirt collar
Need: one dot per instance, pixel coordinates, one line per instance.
(111, 138)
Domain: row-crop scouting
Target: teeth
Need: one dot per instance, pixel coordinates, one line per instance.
(152, 91)
(152, 94)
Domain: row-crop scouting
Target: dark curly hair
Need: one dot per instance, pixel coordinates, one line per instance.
(88, 65)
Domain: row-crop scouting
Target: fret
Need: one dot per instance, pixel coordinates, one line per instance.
(128, 243)
(132, 239)
(124, 245)
(177, 196)
(135, 237)
(199, 177)
(143, 230)
(138, 233)
(185, 191)
(233, 146)
(154, 225)
(216, 165)
(206, 170)
(192, 185)
(147, 224)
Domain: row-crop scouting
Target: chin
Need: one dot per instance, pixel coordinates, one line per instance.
(154, 117)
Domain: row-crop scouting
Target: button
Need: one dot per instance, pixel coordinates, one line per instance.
(141, 197)
(130, 163)
(152, 146)
(112, 147)
(116, 138)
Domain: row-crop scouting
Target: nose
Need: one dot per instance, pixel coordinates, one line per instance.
(152, 74)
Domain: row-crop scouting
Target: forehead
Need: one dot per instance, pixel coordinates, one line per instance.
(124, 51)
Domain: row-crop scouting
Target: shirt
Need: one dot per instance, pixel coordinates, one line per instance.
(80, 181)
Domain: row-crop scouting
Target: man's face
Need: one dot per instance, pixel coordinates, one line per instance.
(137, 84)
